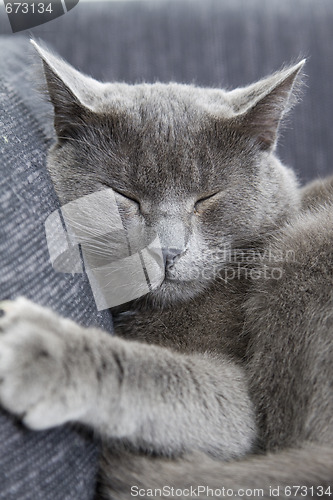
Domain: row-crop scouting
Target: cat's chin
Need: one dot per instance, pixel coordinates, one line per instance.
(172, 292)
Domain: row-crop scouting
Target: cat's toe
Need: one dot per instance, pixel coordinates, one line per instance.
(19, 308)
(26, 370)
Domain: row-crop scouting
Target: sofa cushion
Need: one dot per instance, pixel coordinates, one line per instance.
(59, 463)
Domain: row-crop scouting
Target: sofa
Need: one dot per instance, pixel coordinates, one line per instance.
(222, 43)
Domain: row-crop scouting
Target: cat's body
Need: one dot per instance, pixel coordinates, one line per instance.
(234, 359)
(294, 416)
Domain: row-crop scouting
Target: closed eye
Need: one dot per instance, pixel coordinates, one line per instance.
(124, 194)
(204, 198)
(128, 196)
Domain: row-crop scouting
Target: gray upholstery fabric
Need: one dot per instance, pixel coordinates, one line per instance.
(210, 42)
(60, 463)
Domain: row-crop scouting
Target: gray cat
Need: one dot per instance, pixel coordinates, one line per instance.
(219, 381)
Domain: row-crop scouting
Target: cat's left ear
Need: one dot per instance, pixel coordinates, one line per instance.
(72, 93)
(260, 107)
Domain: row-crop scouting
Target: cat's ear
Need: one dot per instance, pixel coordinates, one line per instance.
(71, 92)
(260, 107)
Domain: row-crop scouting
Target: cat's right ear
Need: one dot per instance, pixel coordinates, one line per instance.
(71, 92)
(260, 107)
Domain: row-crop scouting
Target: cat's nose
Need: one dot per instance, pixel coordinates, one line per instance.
(170, 256)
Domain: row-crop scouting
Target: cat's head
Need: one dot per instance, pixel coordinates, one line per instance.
(195, 166)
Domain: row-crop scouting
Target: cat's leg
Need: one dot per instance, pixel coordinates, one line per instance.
(53, 371)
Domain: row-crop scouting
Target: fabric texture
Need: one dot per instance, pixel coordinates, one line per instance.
(61, 463)
(211, 43)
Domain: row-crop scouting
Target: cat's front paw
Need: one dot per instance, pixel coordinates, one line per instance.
(37, 348)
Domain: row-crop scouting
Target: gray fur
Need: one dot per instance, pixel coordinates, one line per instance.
(210, 368)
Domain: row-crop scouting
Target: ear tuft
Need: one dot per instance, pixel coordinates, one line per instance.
(260, 107)
(71, 93)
